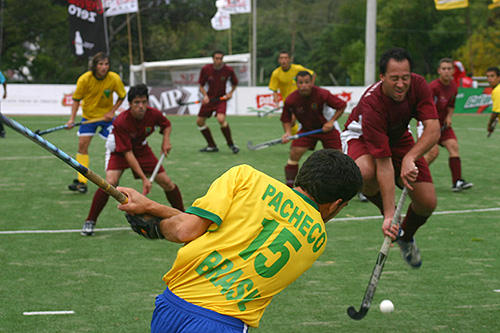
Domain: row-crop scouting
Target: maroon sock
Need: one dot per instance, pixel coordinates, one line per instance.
(377, 201)
(98, 202)
(175, 198)
(291, 172)
(227, 134)
(411, 223)
(208, 136)
(456, 168)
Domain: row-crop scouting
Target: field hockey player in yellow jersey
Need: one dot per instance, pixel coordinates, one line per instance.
(94, 92)
(246, 240)
(283, 80)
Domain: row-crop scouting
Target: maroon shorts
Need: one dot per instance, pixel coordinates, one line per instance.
(207, 110)
(146, 158)
(357, 148)
(330, 140)
(447, 134)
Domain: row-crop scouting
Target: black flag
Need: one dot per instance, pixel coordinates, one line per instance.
(86, 27)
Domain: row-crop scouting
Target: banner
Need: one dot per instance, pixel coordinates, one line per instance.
(451, 4)
(86, 27)
(234, 6)
(473, 100)
(119, 7)
(221, 20)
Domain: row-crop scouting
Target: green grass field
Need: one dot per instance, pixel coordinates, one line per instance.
(110, 280)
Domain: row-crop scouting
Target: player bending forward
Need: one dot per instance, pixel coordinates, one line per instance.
(247, 239)
(378, 139)
(127, 147)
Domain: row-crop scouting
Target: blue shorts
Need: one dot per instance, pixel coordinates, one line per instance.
(90, 129)
(173, 314)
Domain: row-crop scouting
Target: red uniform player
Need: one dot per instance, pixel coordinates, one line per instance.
(216, 76)
(378, 139)
(309, 105)
(127, 147)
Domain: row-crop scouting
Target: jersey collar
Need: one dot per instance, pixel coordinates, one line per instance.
(307, 199)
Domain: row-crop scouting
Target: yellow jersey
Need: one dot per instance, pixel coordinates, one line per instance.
(495, 98)
(263, 237)
(284, 81)
(96, 95)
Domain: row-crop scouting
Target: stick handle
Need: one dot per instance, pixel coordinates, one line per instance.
(90, 175)
(157, 167)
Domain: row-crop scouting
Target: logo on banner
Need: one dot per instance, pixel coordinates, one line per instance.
(67, 99)
(266, 100)
(167, 99)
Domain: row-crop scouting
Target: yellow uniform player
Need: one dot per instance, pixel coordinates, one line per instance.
(246, 240)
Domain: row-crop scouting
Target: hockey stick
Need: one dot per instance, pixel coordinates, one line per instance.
(89, 174)
(262, 112)
(53, 129)
(493, 125)
(157, 167)
(222, 98)
(379, 265)
(280, 140)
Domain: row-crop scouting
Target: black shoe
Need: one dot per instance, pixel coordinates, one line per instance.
(234, 148)
(88, 228)
(209, 149)
(77, 186)
(461, 185)
(2, 134)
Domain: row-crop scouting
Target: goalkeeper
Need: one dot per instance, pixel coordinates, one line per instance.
(247, 239)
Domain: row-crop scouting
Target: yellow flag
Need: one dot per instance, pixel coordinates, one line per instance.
(451, 4)
(495, 4)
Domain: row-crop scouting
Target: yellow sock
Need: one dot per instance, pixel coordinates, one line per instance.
(83, 159)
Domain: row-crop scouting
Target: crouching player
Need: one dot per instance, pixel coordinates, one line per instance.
(246, 240)
(127, 147)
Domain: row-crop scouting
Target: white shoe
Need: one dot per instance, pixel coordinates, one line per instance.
(88, 228)
(410, 253)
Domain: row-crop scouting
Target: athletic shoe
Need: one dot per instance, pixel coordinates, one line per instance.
(2, 134)
(77, 186)
(362, 197)
(209, 149)
(234, 148)
(410, 253)
(461, 185)
(88, 228)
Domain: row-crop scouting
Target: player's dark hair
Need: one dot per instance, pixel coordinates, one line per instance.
(304, 73)
(446, 60)
(328, 175)
(284, 52)
(494, 69)
(138, 90)
(99, 56)
(217, 52)
(397, 53)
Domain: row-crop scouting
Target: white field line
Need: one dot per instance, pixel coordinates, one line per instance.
(361, 218)
(34, 313)
(15, 158)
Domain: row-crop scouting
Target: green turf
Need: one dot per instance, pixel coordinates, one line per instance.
(110, 280)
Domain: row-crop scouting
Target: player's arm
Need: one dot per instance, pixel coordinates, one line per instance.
(4, 89)
(385, 178)
(493, 116)
(202, 90)
(166, 145)
(333, 100)
(134, 165)
(427, 140)
(449, 115)
(229, 95)
(175, 226)
(108, 116)
(74, 110)
(313, 77)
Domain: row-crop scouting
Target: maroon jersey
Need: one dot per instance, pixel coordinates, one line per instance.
(384, 122)
(444, 97)
(131, 133)
(216, 79)
(309, 110)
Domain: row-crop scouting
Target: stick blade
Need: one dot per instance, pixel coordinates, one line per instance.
(353, 314)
